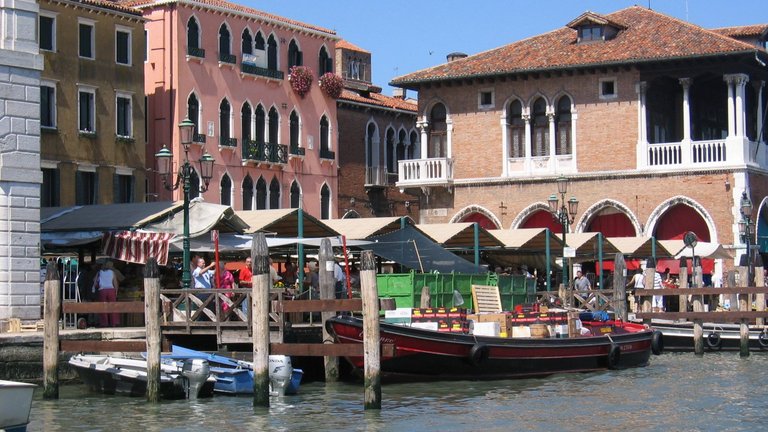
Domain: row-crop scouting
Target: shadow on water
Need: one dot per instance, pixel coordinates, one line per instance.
(677, 391)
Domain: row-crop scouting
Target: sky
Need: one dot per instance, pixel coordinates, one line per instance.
(404, 36)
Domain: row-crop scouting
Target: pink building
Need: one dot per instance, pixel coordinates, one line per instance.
(226, 68)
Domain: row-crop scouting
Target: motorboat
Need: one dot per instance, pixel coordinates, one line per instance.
(678, 336)
(15, 405)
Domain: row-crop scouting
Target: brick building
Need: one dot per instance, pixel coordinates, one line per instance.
(658, 124)
(375, 132)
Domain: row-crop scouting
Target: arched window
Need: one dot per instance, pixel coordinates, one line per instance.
(414, 150)
(325, 142)
(193, 112)
(438, 131)
(325, 202)
(226, 190)
(400, 150)
(370, 141)
(246, 121)
(294, 133)
(261, 124)
(540, 144)
(325, 62)
(258, 42)
(274, 122)
(294, 55)
(563, 126)
(295, 195)
(225, 113)
(390, 149)
(194, 185)
(261, 194)
(225, 44)
(247, 42)
(271, 53)
(274, 194)
(193, 35)
(516, 129)
(248, 193)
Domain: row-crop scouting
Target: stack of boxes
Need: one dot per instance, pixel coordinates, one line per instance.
(452, 320)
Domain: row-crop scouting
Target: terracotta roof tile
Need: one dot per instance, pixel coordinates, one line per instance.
(117, 6)
(747, 30)
(649, 36)
(231, 6)
(350, 46)
(379, 99)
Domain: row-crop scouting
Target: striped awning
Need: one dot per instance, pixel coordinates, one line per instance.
(137, 246)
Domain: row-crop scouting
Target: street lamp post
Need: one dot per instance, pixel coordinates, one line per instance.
(565, 213)
(164, 164)
(745, 229)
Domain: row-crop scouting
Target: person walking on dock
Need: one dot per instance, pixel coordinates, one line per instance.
(107, 292)
(658, 301)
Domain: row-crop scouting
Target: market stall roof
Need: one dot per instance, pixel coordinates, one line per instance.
(203, 217)
(709, 250)
(531, 239)
(108, 217)
(458, 235)
(232, 242)
(362, 228)
(639, 247)
(586, 245)
(284, 223)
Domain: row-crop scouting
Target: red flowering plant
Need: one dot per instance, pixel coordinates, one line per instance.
(331, 84)
(301, 79)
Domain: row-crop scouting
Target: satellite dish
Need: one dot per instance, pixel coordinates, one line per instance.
(690, 239)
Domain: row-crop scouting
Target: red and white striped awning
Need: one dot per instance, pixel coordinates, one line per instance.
(137, 246)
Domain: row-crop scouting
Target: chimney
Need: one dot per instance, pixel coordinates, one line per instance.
(398, 93)
(455, 56)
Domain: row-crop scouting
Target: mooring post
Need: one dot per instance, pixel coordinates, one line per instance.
(52, 312)
(648, 276)
(327, 292)
(698, 306)
(744, 305)
(371, 331)
(620, 287)
(260, 317)
(683, 302)
(152, 322)
(759, 298)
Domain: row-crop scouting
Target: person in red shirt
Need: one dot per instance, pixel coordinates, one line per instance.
(246, 275)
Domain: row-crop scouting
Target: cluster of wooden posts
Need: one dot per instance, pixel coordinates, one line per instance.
(259, 310)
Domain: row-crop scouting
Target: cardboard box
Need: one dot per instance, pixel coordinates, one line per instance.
(425, 325)
(398, 313)
(502, 318)
(486, 328)
(521, 332)
(423, 313)
(398, 320)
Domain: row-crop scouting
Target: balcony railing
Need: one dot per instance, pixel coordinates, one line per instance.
(265, 152)
(256, 70)
(295, 150)
(195, 52)
(198, 138)
(327, 154)
(227, 142)
(227, 58)
(425, 172)
(693, 153)
(376, 176)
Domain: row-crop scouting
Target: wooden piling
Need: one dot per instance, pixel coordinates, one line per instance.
(261, 284)
(698, 306)
(152, 323)
(759, 298)
(52, 312)
(371, 332)
(327, 292)
(620, 287)
(648, 275)
(683, 299)
(744, 305)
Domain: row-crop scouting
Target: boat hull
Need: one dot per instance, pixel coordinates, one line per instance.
(458, 356)
(717, 337)
(15, 404)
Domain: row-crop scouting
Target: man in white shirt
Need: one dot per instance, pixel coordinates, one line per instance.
(637, 282)
(658, 301)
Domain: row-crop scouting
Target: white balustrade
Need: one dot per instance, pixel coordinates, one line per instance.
(425, 171)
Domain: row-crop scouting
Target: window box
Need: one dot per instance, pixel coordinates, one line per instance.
(198, 138)
(87, 134)
(124, 139)
(260, 71)
(227, 142)
(196, 52)
(227, 58)
(327, 154)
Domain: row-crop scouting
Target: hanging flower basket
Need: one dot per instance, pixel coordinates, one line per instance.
(301, 79)
(331, 84)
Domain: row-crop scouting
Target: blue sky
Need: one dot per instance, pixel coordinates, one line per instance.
(404, 36)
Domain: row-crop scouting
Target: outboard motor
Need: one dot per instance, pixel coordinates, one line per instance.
(280, 372)
(196, 371)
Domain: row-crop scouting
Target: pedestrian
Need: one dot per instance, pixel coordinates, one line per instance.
(658, 301)
(637, 282)
(583, 286)
(107, 285)
(226, 281)
(340, 279)
(246, 274)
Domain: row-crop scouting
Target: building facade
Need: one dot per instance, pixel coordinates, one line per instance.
(20, 65)
(92, 106)
(227, 68)
(376, 132)
(658, 124)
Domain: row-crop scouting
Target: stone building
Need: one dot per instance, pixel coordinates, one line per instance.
(658, 124)
(375, 132)
(92, 105)
(227, 68)
(20, 65)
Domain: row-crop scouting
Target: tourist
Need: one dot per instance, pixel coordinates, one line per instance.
(274, 278)
(637, 282)
(106, 285)
(658, 301)
(202, 274)
(340, 279)
(226, 281)
(583, 285)
(312, 281)
(246, 274)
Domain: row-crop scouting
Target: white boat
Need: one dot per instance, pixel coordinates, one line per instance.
(15, 404)
(678, 336)
(119, 375)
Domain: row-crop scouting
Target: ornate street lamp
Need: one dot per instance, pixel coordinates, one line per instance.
(565, 213)
(745, 229)
(183, 177)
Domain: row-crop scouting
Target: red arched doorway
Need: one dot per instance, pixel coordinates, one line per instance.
(542, 219)
(673, 224)
(481, 219)
(612, 222)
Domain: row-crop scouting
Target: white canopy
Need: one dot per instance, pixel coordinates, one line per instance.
(230, 242)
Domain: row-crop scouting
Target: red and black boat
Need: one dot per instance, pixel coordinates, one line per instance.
(443, 355)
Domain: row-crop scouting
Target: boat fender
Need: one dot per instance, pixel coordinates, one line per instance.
(478, 354)
(762, 339)
(657, 343)
(713, 341)
(614, 356)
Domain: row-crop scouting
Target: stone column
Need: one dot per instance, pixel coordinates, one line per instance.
(505, 146)
(423, 126)
(528, 141)
(686, 145)
(642, 127)
(552, 137)
(758, 85)
(20, 175)
(740, 83)
(731, 116)
(448, 138)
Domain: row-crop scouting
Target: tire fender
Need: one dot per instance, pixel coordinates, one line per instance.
(614, 357)
(478, 354)
(762, 339)
(657, 343)
(714, 341)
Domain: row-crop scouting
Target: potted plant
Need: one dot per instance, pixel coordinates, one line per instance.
(301, 79)
(331, 84)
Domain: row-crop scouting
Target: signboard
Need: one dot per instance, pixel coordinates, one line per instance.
(258, 58)
(569, 252)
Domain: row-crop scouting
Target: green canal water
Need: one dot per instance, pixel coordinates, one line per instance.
(675, 392)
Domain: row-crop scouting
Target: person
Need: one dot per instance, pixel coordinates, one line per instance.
(289, 275)
(274, 277)
(717, 282)
(312, 281)
(583, 284)
(658, 301)
(637, 282)
(246, 274)
(340, 278)
(107, 292)
(226, 281)
(203, 274)
(354, 277)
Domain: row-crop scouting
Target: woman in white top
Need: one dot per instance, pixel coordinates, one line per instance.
(107, 292)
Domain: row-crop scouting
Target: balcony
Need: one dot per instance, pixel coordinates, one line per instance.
(227, 142)
(376, 176)
(425, 172)
(250, 69)
(701, 154)
(295, 150)
(327, 154)
(265, 152)
(227, 58)
(196, 52)
(198, 138)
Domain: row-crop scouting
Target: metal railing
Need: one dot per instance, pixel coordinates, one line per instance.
(265, 152)
(251, 69)
(195, 52)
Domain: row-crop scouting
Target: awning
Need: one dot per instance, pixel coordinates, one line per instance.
(459, 235)
(531, 239)
(587, 246)
(284, 223)
(362, 228)
(231, 242)
(203, 217)
(136, 246)
(639, 247)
